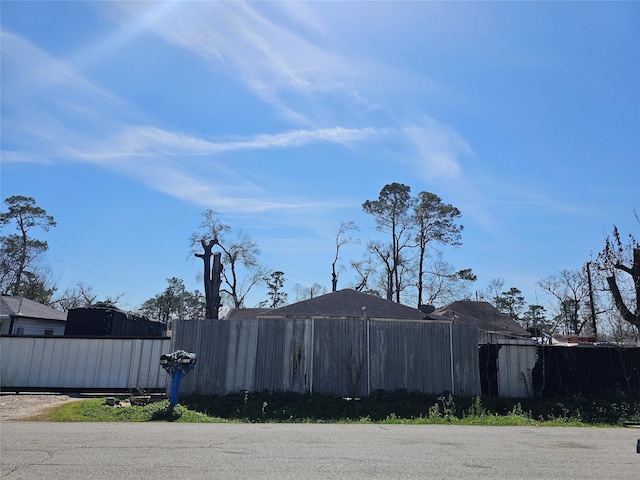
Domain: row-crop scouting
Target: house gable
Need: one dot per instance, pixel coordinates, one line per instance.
(244, 313)
(25, 317)
(11, 305)
(485, 316)
(346, 303)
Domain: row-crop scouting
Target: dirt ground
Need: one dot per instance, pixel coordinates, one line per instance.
(25, 405)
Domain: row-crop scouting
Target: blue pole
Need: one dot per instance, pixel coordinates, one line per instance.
(178, 374)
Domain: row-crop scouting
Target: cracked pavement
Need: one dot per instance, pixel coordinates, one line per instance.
(87, 451)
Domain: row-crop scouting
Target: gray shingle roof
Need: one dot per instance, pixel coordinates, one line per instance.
(244, 313)
(484, 315)
(11, 306)
(346, 303)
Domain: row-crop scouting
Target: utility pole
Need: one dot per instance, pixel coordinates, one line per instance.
(592, 301)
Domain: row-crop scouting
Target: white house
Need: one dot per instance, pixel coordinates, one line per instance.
(19, 316)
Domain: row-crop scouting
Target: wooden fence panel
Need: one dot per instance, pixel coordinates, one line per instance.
(241, 357)
(412, 356)
(466, 367)
(297, 353)
(438, 358)
(339, 364)
(184, 337)
(326, 367)
(335, 356)
(269, 343)
(218, 354)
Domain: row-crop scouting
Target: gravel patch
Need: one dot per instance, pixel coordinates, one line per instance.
(25, 405)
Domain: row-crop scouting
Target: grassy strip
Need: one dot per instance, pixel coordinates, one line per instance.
(405, 407)
(95, 410)
(396, 408)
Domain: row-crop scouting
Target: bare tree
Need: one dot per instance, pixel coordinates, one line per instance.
(492, 292)
(365, 270)
(82, 295)
(244, 271)
(239, 255)
(623, 257)
(443, 284)
(306, 293)
(571, 289)
(387, 279)
(300, 292)
(617, 329)
(342, 238)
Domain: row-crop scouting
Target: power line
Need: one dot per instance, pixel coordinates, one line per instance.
(101, 274)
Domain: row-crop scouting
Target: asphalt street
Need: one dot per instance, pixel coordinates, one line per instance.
(74, 451)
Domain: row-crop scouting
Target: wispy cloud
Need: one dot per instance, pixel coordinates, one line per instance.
(274, 58)
(279, 51)
(47, 105)
(150, 141)
(226, 191)
(438, 149)
(159, 159)
(269, 48)
(76, 124)
(267, 55)
(11, 156)
(29, 72)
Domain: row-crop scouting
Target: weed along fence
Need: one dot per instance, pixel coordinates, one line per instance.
(328, 355)
(82, 364)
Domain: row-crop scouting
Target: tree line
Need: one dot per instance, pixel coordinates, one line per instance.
(405, 264)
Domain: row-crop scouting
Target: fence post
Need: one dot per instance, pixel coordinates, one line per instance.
(313, 354)
(453, 388)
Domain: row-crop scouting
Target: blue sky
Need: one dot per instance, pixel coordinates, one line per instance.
(125, 121)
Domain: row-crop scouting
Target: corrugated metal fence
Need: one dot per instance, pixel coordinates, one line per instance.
(62, 363)
(343, 357)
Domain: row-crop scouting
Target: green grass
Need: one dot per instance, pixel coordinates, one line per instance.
(95, 410)
(385, 408)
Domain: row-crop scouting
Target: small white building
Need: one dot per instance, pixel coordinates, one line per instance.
(19, 316)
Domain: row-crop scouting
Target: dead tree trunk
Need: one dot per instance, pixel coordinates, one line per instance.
(631, 317)
(627, 314)
(212, 280)
(215, 283)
